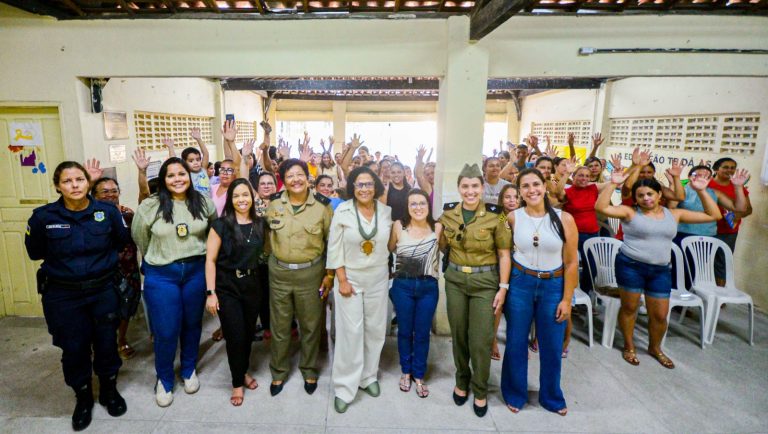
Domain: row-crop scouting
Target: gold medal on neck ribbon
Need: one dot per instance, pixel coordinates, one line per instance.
(367, 247)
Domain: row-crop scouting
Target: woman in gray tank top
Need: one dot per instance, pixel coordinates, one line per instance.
(643, 263)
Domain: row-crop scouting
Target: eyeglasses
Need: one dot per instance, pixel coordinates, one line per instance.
(227, 170)
(364, 185)
(415, 205)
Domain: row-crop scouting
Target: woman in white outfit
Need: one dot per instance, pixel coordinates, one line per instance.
(357, 250)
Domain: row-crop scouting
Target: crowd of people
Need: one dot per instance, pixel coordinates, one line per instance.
(261, 240)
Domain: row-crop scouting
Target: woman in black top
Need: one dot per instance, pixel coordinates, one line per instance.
(234, 247)
(396, 193)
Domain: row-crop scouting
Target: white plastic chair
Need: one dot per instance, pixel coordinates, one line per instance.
(603, 250)
(701, 263)
(581, 297)
(682, 297)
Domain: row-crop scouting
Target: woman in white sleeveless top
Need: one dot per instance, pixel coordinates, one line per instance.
(545, 272)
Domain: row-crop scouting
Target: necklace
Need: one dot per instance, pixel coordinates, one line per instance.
(250, 232)
(536, 231)
(368, 244)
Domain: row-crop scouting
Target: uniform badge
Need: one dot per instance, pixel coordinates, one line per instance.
(182, 230)
(99, 216)
(29, 230)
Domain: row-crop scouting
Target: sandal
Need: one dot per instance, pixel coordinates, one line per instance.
(421, 389)
(126, 352)
(513, 409)
(664, 360)
(405, 382)
(630, 356)
(534, 346)
(565, 354)
(217, 335)
(562, 411)
(236, 400)
(251, 385)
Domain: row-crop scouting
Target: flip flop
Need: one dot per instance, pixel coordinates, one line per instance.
(405, 383)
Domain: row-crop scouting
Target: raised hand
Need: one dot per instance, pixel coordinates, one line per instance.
(618, 176)
(740, 177)
(266, 127)
(570, 165)
(306, 154)
(248, 147)
(532, 141)
(355, 142)
(675, 170)
(141, 159)
(305, 143)
(420, 153)
(331, 141)
(322, 145)
(93, 167)
(546, 140)
(495, 151)
(597, 139)
(645, 157)
(700, 182)
(229, 132)
(195, 134)
(167, 141)
(571, 139)
(550, 151)
(284, 149)
(616, 160)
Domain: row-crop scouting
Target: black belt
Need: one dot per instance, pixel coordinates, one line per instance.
(540, 274)
(85, 284)
(189, 259)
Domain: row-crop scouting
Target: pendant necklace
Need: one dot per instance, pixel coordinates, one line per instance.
(536, 228)
(367, 245)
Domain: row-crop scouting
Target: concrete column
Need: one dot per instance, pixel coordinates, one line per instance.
(218, 121)
(272, 119)
(339, 124)
(600, 121)
(461, 117)
(513, 125)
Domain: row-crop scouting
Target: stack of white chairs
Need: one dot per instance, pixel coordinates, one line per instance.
(603, 250)
(700, 253)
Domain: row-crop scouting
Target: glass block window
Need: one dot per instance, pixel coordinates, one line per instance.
(246, 130)
(717, 133)
(558, 132)
(152, 127)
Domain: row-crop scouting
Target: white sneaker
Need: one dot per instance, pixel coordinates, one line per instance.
(192, 384)
(163, 398)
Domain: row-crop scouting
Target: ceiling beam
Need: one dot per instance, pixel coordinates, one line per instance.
(258, 6)
(413, 84)
(212, 5)
(169, 5)
(490, 14)
(398, 3)
(306, 6)
(38, 7)
(124, 5)
(70, 4)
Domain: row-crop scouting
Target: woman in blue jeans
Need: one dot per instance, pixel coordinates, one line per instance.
(545, 272)
(414, 290)
(170, 229)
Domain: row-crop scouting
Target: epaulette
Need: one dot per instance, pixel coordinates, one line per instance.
(276, 196)
(449, 206)
(493, 208)
(322, 199)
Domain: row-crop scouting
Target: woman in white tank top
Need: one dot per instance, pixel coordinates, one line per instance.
(544, 275)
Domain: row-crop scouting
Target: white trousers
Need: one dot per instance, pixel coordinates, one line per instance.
(361, 326)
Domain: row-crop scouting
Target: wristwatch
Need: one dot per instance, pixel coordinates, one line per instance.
(210, 292)
(504, 285)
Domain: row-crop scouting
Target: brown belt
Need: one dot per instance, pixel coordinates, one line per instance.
(540, 274)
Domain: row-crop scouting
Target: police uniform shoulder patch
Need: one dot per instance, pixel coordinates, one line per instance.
(493, 208)
(449, 206)
(99, 216)
(276, 196)
(322, 199)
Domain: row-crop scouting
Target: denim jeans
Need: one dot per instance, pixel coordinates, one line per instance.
(585, 280)
(415, 302)
(530, 297)
(175, 297)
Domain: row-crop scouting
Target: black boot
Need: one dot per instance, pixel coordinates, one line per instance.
(81, 417)
(110, 397)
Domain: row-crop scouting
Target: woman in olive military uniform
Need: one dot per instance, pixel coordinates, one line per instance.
(479, 244)
(299, 223)
(78, 238)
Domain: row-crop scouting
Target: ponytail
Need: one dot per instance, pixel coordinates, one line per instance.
(557, 224)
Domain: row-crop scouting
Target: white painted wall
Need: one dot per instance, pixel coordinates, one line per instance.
(639, 97)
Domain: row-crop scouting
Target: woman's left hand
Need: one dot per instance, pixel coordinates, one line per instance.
(212, 304)
(498, 300)
(563, 311)
(326, 286)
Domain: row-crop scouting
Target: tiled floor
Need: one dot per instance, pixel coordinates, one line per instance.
(723, 388)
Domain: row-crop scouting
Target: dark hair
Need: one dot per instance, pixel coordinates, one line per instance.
(342, 193)
(487, 160)
(102, 180)
(187, 151)
(195, 200)
(333, 163)
(407, 216)
(68, 165)
(287, 164)
(378, 186)
(229, 216)
(321, 177)
(396, 163)
(152, 184)
(263, 174)
(504, 154)
(273, 153)
(557, 160)
(700, 166)
(363, 148)
(504, 191)
(216, 167)
(371, 163)
(557, 224)
(651, 166)
(719, 162)
(593, 159)
(542, 159)
(651, 183)
(209, 165)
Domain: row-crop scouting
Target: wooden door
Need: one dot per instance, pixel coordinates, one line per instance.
(23, 189)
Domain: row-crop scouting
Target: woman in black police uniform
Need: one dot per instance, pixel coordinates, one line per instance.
(78, 238)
